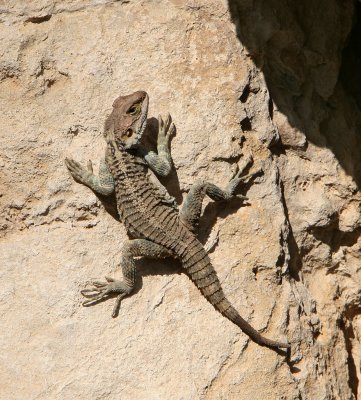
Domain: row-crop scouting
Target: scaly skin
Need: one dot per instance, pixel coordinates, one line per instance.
(151, 217)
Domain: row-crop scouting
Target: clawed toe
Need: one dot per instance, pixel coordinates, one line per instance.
(166, 130)
(92, 299)
(117, 304)
(95, 293)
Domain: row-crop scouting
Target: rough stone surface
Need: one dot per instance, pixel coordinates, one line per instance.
(256, 76)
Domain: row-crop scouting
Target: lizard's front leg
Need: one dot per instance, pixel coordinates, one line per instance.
(161, 163)
(102, 184)
(134, 248)
(192, 207)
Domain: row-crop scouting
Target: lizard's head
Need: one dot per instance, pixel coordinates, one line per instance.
(127, 122)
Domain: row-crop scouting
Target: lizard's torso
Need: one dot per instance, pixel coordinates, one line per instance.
(143, 208)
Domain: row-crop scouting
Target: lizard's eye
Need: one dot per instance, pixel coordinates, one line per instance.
(129, 132)
(133, 110)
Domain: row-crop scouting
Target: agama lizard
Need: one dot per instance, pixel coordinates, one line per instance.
(151, 218)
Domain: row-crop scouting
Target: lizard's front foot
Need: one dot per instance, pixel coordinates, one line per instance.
(101, 290)
(79, 173)
(166, 131)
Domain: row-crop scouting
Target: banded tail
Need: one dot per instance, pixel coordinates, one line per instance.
(202, 273)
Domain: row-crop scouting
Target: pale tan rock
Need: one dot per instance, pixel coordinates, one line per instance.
(289, 260)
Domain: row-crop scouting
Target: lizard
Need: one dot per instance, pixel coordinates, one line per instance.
(152, 219)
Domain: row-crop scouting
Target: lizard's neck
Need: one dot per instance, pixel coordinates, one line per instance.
(122, 159)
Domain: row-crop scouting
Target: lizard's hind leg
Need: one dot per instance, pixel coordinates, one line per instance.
(134, 248)
(192, 207)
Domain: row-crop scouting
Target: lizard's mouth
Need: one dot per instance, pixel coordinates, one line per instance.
(143, 118)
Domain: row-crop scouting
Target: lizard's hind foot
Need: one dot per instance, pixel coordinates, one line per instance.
(103, 290)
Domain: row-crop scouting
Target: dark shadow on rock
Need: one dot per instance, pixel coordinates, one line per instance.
(346, 324)
(222, 209)
(335, 238)
(295, 263)
(309, 53)
(167, 266)
(215, 210)
(110, 204)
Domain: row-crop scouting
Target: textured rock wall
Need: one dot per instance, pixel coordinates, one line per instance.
(258, 76)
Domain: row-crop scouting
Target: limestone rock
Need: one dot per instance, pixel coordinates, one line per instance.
(238, 77)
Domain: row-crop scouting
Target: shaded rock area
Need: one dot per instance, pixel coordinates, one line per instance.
(276, 78)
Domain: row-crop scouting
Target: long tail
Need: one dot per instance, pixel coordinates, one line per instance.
(202, 273)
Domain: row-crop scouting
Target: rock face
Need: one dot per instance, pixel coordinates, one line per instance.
(273, 77)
